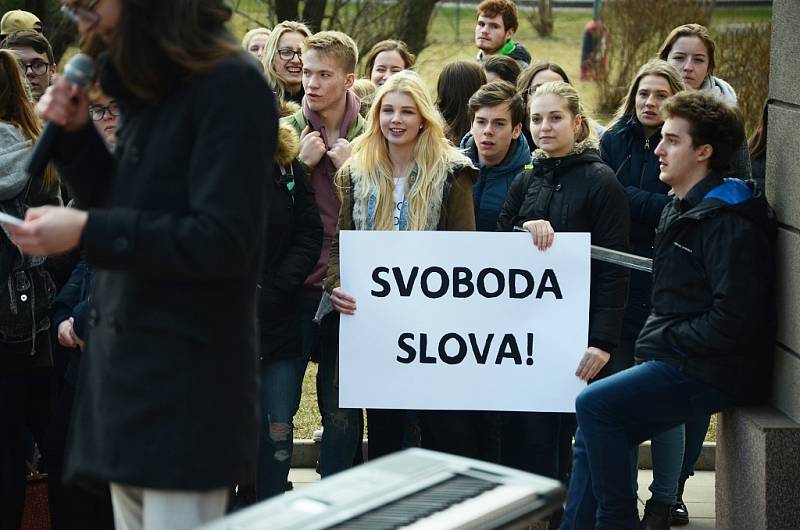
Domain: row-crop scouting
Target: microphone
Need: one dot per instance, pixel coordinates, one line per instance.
(79, 71)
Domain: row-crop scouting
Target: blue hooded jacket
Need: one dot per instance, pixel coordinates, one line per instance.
(489, 193)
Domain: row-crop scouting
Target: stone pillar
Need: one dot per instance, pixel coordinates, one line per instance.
(758, 449)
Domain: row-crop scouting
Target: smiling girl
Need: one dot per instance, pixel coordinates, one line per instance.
(402, 175)
(387, 58)
(283, 62)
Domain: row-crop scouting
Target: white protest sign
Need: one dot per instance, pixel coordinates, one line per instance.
(463, 320)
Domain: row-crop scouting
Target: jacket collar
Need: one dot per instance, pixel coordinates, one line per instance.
(698, 192)
(540, 155)
(518, 154)
(713, 193)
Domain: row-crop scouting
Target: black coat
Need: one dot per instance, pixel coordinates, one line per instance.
(168, 385)
(293, 244)
(631, 155)
(578, 193)
(712, 282)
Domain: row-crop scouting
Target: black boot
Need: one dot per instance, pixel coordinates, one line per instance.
(679, 515)
(656, 516)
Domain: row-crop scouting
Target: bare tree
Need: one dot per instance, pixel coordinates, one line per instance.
(314, 13)
(286, 10)
(367, 21)
(637, 29)
(415, 23)
(542, 19)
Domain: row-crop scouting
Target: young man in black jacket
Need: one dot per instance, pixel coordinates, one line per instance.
(706, 344)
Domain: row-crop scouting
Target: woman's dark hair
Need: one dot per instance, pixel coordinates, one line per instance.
(758, 141)
(158, 45)
(388, 46)
(526, 77)
(457, 82)
(506, 68)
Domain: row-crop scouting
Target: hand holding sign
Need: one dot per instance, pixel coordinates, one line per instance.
(463, 321)
(542, 232)
(343, 302)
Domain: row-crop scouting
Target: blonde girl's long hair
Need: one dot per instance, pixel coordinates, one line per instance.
(573, 103)
(16, 107)
(434, 158)
(271, 53)
(656, 67)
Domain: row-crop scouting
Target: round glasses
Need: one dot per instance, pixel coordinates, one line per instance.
(98, 112)
(37, 67)
(287, 54)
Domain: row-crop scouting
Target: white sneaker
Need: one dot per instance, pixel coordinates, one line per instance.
(317, 436)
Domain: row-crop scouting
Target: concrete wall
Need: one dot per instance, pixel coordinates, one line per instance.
(758, 467)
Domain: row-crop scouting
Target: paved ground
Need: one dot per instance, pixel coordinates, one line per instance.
(699, 495)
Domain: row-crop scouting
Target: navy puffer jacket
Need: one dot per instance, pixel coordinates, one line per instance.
(631, 155)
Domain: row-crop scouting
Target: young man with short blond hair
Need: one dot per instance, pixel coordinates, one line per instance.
(328, 121)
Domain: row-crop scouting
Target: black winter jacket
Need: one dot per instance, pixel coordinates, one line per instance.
(168, 390)
(293, 244)
(712, 281)
(578, 193)
(630, 154)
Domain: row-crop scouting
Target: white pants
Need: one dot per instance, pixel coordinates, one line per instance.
(151, 509)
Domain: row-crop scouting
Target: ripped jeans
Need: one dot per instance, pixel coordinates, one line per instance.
(281, 385)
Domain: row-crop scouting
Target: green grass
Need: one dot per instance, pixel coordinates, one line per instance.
(307, 419)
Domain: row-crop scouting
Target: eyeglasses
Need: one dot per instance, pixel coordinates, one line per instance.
(81, 13)
(98, 112)
(37, 67)
(287, 54)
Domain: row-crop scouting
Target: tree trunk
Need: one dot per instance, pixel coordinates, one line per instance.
(39, 8)
(416, 17)
(286, 10)
(313, 13)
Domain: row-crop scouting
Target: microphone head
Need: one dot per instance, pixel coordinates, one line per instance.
(79, 70)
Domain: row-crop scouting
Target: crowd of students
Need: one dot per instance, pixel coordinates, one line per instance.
(166, 397)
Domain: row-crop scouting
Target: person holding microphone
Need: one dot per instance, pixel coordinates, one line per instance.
(167, 412)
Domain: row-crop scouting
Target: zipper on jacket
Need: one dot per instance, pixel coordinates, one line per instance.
(644, 163)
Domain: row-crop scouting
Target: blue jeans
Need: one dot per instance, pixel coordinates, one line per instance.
(696, 431)
(343, 428)
(281, 386)
(615, 415)
(675, 453)
(667, 451)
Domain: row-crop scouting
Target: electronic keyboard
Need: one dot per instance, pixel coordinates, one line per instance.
(415, 489)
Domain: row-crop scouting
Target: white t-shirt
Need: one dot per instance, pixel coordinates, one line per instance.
(399, 199)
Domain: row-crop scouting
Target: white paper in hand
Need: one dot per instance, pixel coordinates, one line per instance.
(10, 219)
